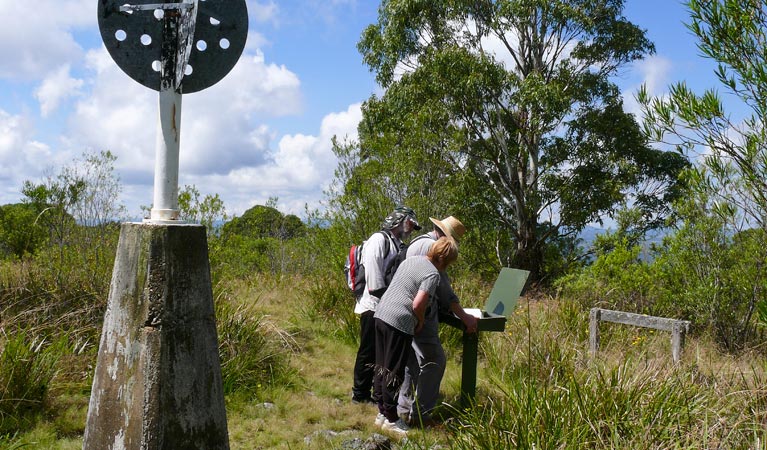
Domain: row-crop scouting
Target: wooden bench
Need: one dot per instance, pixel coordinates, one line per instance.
(678, 328)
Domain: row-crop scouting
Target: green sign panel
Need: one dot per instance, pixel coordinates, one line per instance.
(506, 291)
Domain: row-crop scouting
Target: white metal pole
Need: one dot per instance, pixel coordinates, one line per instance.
(165, 206)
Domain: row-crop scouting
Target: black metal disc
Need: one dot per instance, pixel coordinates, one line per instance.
(133, 39)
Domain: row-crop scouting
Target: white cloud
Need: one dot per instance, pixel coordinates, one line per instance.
(117, 114)
(653, 72)
(253, 88)
(55, 88)
(21, 157)
(255, 42)
(35, 36)
(297, 171)
(222, 129)
(263, 12)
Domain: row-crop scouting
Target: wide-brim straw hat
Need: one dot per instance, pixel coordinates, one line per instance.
(451, 226)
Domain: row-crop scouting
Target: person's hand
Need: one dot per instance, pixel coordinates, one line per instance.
(419, 327)
(470, 322)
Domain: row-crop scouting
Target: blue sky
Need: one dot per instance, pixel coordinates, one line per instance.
(264, 131)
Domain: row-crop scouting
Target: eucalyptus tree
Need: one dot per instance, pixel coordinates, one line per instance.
(511, 103)
(732, 152)
(717, 255)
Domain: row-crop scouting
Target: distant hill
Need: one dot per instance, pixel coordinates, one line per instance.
(589, 234)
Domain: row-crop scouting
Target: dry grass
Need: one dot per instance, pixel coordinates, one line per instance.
(545, 342)
(317, 412)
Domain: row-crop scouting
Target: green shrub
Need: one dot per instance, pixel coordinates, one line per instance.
(331, 304)
(238, 257)
(617, 280)
(717, 279)
(250, 352)
(703, 273)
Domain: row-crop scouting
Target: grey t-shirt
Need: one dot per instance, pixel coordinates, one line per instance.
(444, 293)
(396, 306)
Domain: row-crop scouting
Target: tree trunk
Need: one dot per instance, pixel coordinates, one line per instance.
(529, 255)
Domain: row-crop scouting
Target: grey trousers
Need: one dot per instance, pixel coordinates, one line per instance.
(419, 392)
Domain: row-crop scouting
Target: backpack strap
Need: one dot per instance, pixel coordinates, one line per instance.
(422, 236)
(392, 243)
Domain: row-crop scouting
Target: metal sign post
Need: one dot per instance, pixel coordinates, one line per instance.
(174, 48)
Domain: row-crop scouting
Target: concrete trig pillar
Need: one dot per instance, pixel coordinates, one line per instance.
(158, 381)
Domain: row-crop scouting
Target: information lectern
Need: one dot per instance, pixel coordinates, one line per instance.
(509, 285)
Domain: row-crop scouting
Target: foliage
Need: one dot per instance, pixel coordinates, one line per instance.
(545, 393)
(728, 192)
(209, 211)
(84, 193)
(261, 222)
(19, 232)
(702, 273)
(503, 114)
(26, 371)
(733, 154)
(617, 280)
(79, 207)
(717, 278)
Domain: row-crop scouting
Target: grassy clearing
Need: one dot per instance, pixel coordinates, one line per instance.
(291, 344)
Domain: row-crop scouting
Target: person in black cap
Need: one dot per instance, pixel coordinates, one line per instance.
(378, 253)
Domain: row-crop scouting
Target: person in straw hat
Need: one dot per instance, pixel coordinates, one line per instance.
(399, 317)
(420, 388)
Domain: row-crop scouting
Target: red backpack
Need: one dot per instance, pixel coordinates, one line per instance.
(355, 270)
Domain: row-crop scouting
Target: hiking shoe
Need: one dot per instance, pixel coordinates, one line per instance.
(398, 427)
(363, 401)
(380, 419)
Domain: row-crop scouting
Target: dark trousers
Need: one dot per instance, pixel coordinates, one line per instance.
(393, 349)
(366, 359)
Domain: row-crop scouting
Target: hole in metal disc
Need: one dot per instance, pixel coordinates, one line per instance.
(159, 14)
(188, 70)
(156, 65)
(224, 43)
(146, 39)
(202, 45)
(215, 22)
(120, 35)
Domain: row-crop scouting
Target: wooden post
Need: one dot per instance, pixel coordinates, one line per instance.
(677, 340)
(595, 315)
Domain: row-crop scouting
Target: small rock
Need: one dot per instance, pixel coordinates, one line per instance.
(374, 442)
